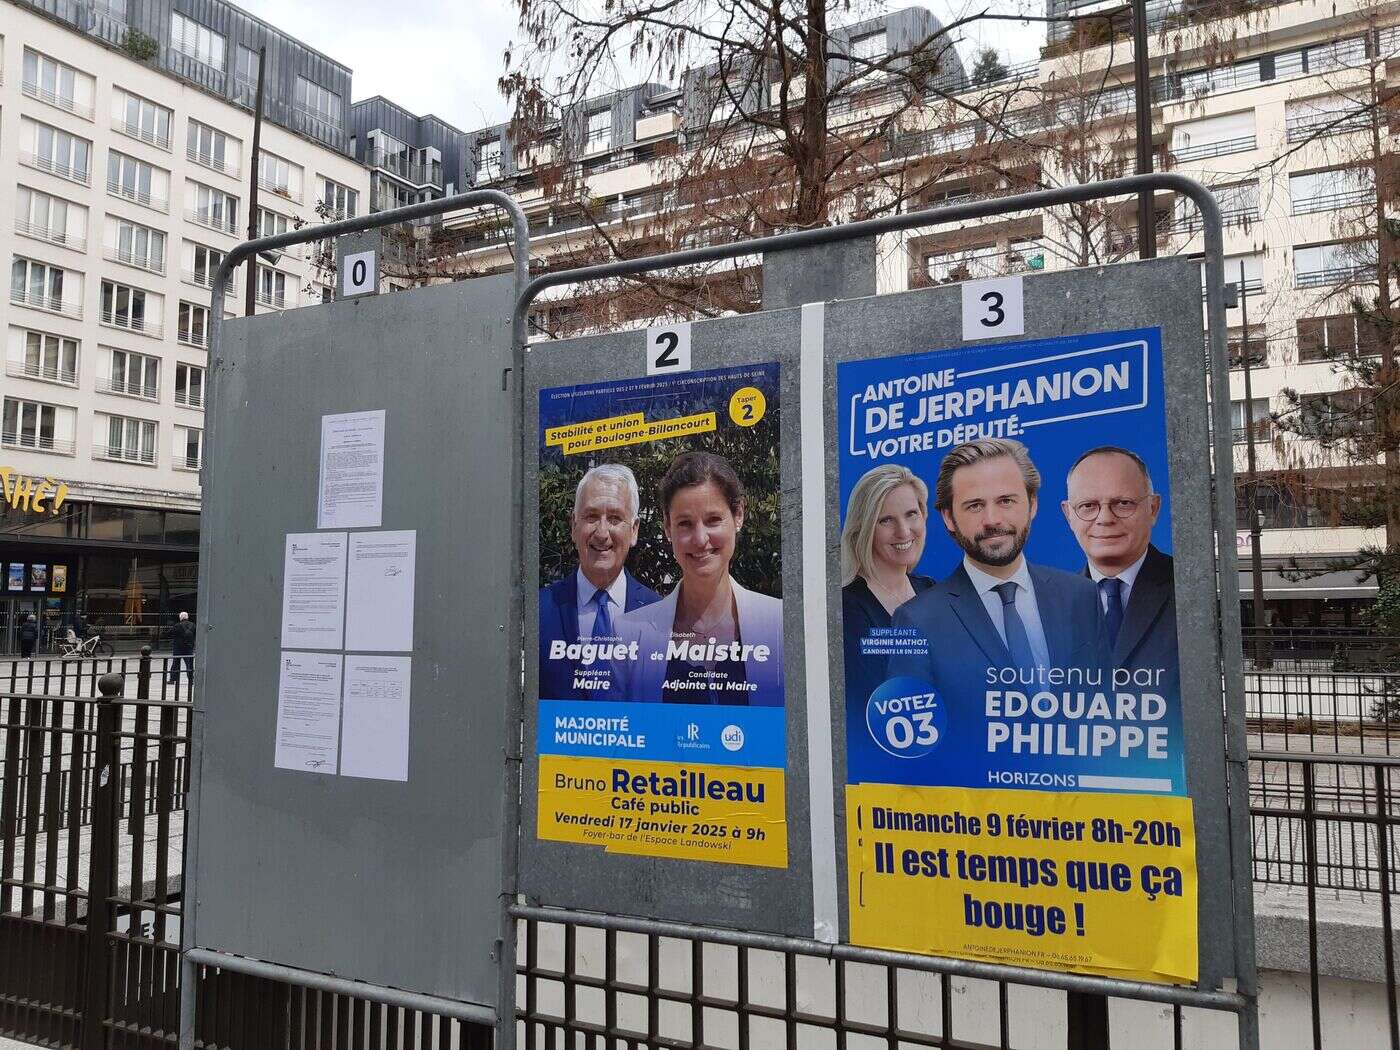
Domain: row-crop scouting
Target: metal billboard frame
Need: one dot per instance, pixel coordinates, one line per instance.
(1244, 1001)
(191, 956)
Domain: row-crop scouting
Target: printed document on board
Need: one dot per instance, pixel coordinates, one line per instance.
(351, 492)
(375, 742)
(313, 590)
(379, 592)
(308, 711)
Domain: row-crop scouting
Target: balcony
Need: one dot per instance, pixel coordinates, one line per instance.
(213, 221)
(204, 279)
(1222, 148)
(115, 188)
(1333, 201)
(190, 463)
(127, 323)
(1319, 125)
(131, 388)
(419, 174)
(213, 163)
(140, 262)
(44, 233)
(36, 442)
(281, 189)
(47, 303)
(189, 400)
(1263, 431)
(1193, 222)
(1335, 275)
(120, 454)
(189, 337)
(68, 105)
(55, 167)
(46, 373)
(275, 300)
(149, 136)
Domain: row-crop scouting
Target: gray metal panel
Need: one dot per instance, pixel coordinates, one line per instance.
(584, 877)
(1165, 293)
(396, 884)
(814, 275)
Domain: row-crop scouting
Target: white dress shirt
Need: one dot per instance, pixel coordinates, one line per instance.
(1127, 576)
(1026, 605)
(588, 608)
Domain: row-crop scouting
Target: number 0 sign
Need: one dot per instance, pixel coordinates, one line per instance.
(993, 308)
(359, 274)
(668, 348)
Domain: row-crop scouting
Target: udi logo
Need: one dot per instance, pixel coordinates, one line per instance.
(732, 738)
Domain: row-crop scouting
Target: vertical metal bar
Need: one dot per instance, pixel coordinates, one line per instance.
(1387, 921)
(101, 874)
(1142, 104)
(1310, 859)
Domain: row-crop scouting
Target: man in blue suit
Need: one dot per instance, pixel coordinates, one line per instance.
(583, 606)
(996, 611)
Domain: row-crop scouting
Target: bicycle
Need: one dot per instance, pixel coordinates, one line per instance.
(91, 646)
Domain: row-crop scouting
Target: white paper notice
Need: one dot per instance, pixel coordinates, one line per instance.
(379, 594)
(313, 590)
(375, 742)
(352, 471)
(308, 711)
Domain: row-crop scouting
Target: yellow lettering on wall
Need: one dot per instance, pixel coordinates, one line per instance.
(38, 501)
(23, 488)
(58, 499)
(25, 493)
(5, 482)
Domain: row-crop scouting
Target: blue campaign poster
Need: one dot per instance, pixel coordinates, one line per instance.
(1007, 583)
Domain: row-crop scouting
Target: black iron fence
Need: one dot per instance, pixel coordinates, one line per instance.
(92, 792)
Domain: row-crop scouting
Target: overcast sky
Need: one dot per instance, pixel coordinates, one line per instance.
(435, 56)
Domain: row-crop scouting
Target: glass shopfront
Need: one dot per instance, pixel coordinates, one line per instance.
(123, 572)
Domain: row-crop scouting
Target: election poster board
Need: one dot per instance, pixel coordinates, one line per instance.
(661, 726)
(1016, 761)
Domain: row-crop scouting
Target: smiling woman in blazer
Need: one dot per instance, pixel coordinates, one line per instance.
(711, 640)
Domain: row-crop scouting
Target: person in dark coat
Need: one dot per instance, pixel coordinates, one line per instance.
(28, 636)
(182, 644)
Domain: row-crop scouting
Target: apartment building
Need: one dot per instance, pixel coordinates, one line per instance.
(410, 158)
(124, 181)
(1268, 108)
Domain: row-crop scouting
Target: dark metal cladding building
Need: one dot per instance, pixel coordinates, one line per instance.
(411, 158)
(214, 45)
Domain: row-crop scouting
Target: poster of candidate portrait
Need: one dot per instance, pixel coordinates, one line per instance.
(1010, 647)
(660, 656)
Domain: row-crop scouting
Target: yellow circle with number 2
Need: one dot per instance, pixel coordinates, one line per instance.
(747, 405)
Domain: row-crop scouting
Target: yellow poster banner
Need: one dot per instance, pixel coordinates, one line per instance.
(729, 814)
(1090, 883)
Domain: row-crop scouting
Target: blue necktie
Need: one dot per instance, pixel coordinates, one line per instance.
(602, 625)
(1016, 638)
(1111, 587)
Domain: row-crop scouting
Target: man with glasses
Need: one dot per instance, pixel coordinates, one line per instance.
(1111, 509)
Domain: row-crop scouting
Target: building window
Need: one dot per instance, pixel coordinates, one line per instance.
(194, 325)
(214, 208)
(867, 50)
(41, 286)
(1334, 264)
(1337, 415)
(245, 68)
(1336, 335)
(272, 287)
(43, 355)
(339, 202)
(204, 265)
(34, 425)
(1259, 420)
(488, 160)
(130, 440)
(189, 385)
(1317, 191)
(58, 84)
(137, 245)
(126, 307)
(137, 181)
(318, 102)
(1214, 137)
(57, 152)
(270, 224)
(50, 218)
(1319, 117)
(279, 175)
(136, 375)
(196, 41)
(599, 135)
(141, 119)
(212, 148)
(1257, 343)
(189, 445)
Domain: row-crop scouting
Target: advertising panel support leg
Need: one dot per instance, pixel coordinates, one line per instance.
(1086, 1021)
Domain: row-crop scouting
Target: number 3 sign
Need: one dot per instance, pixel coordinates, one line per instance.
(668, 348)
(993, 308)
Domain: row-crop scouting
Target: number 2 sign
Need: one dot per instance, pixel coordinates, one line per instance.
(993, 308)
(668, 348)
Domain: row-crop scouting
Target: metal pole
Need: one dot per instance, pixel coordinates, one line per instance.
(103, 866)
(1142, 101)
(208, 617)
(1262, 647)
(250, 294)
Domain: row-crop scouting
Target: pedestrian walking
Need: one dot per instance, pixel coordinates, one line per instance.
(182, 644)
(28, 636)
